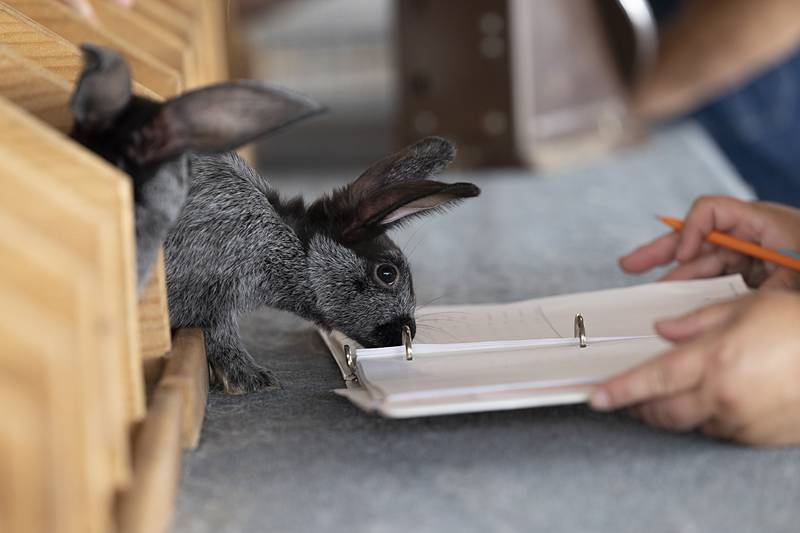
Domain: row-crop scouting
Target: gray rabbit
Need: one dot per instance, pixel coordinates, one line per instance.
(151, 141)
(236, 245)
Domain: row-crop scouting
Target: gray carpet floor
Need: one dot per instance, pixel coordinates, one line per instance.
(303, 459)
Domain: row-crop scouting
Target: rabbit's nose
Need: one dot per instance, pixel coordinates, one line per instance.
(391, 333)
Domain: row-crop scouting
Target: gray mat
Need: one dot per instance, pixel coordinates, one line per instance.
(303, 459)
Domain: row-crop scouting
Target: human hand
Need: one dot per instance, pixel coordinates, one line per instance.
(84, 7)
(735, 373)
(766, 224)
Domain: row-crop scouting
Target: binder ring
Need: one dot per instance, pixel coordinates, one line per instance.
(407, 343)
(351, 364)
(580, 330)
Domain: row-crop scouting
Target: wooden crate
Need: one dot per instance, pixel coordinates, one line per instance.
(74, 337)
(54, 210)
(52, 278)
(104, 189)
(28, 84)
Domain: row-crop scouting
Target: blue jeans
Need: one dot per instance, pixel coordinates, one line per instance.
(757, 126)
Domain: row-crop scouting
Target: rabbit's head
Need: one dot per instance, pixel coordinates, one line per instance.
(144, 137)
(360, 278)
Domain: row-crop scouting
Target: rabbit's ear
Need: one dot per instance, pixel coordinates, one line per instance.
(218, 118)
(103, 89)
(383, 209)
(422, 160)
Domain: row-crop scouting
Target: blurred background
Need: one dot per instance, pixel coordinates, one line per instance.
(342, 53)
(538, 83)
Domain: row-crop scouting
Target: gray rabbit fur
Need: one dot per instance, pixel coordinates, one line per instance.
(233, 244)
(153, 141)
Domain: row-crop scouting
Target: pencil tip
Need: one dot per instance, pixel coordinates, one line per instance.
(674, 223)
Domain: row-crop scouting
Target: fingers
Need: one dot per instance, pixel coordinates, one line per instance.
(715, 262)
(711, 213)
(696, 322)
(683, 412)
(706, 266)
(708, 214)
(782, 278)
(673, 372)
(658, 252)
(721, 428)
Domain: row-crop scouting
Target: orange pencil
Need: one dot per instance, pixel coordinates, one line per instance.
(781, 257)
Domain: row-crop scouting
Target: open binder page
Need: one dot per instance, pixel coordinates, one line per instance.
(520, 354)
(625, 312)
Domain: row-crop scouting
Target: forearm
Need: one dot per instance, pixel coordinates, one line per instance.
(710, 46)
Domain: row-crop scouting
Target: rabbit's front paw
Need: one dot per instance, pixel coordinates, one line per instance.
(242, 377)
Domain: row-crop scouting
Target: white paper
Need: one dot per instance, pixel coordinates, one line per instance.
(630, 311)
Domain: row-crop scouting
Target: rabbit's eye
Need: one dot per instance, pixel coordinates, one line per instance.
(386, 274)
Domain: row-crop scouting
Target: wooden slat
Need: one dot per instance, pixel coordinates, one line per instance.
(237, 53)
(38, 91)
(182, 27)
(61, 20)
(29, 39)
(39, 489)
(147, 506)
(166, 16)
(187, 369)
(187, 7)
(148, 37)
(153, 314)
(23, 448)
(39, 44)
(107, 190)
(209, 19)
(213, 15)
(53, 279)
(52, 208)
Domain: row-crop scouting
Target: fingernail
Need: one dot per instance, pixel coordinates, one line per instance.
(600, 400)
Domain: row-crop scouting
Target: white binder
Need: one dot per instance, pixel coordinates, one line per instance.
(545, 351)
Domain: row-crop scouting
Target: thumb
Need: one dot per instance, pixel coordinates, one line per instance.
(782, 278)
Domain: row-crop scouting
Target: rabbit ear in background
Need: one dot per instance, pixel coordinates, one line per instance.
(219, 118)
(390, 206)
(422, 160)
(103, 89)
